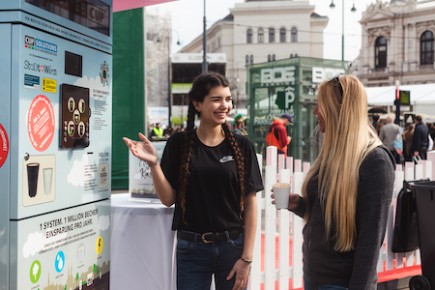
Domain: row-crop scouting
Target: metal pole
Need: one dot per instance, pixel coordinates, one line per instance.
(342, 30)
(204, 44)
(169, 83)
(397, 103)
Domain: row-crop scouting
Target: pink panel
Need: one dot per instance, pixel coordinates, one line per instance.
(120, 5)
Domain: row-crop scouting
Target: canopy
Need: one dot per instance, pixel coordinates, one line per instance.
(120, 5)
(384, 96)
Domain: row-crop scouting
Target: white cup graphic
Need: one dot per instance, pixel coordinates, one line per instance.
(281, 192)
(47, 174)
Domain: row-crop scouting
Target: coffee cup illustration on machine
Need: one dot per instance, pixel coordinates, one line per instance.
(48, 174)
(32, 178)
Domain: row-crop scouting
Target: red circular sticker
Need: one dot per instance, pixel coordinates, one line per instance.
(4, 145)
(40, 122)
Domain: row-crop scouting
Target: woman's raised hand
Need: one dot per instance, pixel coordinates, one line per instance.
(143, 149)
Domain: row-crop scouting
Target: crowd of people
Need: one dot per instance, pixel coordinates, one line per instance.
(407, 144)
(209, 171)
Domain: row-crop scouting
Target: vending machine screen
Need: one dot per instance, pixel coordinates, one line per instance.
(94, 14)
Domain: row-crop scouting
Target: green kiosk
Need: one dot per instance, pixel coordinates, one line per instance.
(288, 86)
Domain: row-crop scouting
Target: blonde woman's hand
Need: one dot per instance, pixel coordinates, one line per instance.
(241, 270)
(143, 149)
(293, 200)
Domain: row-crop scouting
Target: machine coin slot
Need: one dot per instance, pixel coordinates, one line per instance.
(74, 117)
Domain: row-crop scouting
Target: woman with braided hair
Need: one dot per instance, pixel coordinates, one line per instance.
(211, 176)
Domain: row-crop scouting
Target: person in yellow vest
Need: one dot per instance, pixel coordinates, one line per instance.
(157, 132)
(277, 134)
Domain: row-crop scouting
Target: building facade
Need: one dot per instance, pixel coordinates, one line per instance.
(397, 43)
(260, 32)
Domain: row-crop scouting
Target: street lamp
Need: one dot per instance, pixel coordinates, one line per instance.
(169, 83)
(204, 44)
(353, 9)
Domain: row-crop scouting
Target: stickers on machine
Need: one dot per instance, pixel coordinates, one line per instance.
(4, 145)
(40, 123)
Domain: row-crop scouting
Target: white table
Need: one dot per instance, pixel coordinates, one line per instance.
(142, 244)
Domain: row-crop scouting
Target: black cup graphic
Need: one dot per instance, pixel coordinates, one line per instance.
(32, 178)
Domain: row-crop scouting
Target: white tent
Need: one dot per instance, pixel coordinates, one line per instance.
(422, 97)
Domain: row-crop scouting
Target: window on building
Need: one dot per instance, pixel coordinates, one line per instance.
(249, 59)
(426, 48)
(249, 35)
(271, 35)
(271, 57)
(260, 35)
(293, 34)
(282, 35)
(380, 52)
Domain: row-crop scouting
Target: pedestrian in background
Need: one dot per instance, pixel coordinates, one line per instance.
(389, 134)
(375, 120)
(420, 139)
(346, 194)
(277, 134)
(239, 125)
(212, 177)
(156, 132)
(408, 134)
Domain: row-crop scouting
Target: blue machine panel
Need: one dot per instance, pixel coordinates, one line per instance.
(55, 144)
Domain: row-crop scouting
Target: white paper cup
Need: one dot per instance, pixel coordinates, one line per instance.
(282, 193)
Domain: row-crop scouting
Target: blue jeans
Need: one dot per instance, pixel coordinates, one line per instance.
(197, 262)
(308, 285)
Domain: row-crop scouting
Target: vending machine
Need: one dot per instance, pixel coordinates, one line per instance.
(55, 144)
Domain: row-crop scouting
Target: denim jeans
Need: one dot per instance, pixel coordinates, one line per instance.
(197, 262)
(308, 285)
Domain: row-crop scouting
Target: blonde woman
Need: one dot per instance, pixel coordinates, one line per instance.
(346, 194)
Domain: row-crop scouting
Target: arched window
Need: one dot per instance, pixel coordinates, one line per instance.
(282, 35)
(247, 59)
(271, 35)
(380, 52)
(293, 34)
(260, 35)
(426, 48)
(251, 59)
(249, 35)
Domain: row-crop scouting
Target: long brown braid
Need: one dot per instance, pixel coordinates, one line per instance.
(240, 163)
(200, 88)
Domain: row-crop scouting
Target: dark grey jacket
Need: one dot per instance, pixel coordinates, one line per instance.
(354, 269)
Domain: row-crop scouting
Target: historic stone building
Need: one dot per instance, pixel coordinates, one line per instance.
(262, 31)
(397, 43)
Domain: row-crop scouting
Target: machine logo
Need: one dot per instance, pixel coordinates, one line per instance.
(36, 67)
(104, 74)
(40, 45)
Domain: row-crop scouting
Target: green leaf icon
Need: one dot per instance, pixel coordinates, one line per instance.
(35, 271)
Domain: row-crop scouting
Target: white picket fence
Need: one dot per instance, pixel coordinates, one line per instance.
(282, 231)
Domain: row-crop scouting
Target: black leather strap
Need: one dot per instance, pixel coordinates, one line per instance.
(208, 238)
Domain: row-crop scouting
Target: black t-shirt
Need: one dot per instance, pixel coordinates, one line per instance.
(213, 192)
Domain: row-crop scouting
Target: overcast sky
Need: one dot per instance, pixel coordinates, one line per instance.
(187, 20)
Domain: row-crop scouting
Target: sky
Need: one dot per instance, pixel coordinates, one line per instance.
(187, 20)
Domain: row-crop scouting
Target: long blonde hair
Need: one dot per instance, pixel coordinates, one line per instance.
(348, 138)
